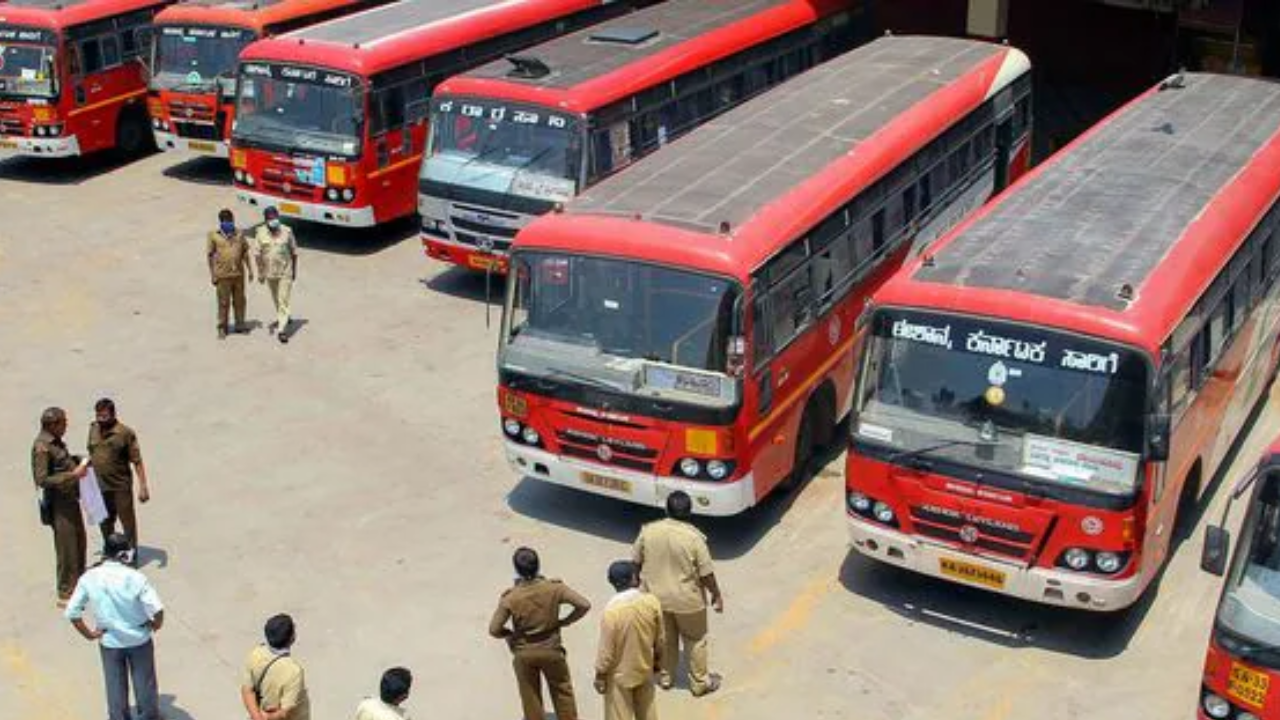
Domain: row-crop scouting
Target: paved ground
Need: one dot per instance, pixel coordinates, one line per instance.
(355, 480)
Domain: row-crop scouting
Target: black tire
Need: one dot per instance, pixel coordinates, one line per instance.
(133, 134)
(802, 465)
(1184, 523)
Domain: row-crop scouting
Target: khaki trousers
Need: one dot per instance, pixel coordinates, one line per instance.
(281, 290)
(629, 703)
(531, 666)
(230, 291)
(69, 541)
(120, 507)
(691, 628)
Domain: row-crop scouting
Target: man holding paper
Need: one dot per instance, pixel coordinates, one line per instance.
(57, 474)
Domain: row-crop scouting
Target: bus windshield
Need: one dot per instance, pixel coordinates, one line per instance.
(636, 327)
(491, 146)
(299, 108)
(1048, 407)
(1250, 606)
(195, 59)
(27, 70)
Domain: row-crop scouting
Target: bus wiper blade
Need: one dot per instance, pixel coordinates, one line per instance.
(584, 379)
(911, 454)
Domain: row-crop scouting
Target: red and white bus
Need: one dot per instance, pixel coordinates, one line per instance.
(193, 63)
(1045, 393)
(688, 324)
(1243, 661)
(331, 120)
(513, 137)
(72, 77)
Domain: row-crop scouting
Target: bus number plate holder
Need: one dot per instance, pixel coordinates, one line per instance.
(289, 208)
(8, 145)
(206, 147)
(1248, 686)
(971, 573)
(606, 483)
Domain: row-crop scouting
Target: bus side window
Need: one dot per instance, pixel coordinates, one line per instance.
(91, 50)
(110, 51)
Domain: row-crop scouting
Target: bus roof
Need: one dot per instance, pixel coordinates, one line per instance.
(57, 14)
(620, 57)
(776, 165)
(393, 35)
(252, 14)
(1128, 225)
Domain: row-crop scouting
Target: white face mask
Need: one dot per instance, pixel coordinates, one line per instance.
(274, 223)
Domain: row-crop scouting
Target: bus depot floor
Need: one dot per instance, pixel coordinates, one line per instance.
(354, 479)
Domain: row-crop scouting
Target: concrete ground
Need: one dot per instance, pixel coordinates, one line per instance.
(355, 479)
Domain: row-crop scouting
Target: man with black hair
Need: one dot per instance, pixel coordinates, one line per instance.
(675, 565)
(273, 685)
(532, 607)
(631, 642)
(56, 473)
(115, 456)
(228, 255)
(392, 692)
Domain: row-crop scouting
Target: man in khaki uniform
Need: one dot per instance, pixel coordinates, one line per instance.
(277, 253)
(57, 474)
(114, 453)
(273, 686)
(675, 565)
(533, 609)
(228, 254)
(631, 642)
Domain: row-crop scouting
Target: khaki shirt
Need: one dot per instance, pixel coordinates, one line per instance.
(111, 453)
(284, 686)
(52, 465)
(375, 709)
(631, 636)
(275, 252)
(533, 607)
(673, 558)
(230, 254)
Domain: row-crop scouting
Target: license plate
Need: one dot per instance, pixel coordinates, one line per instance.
(290, 208)
(1248, 686)
(971, 573)
(484, 262)
(606, 483)
(8, 144)
(203, 146)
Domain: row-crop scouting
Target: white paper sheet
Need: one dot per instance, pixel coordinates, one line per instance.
(91, 502)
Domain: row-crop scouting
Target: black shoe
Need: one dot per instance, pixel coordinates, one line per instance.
(222, 333)
(240, 329)
(284, 339)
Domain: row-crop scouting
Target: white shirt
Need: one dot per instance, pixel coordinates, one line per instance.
(375, 709)
(123, 603)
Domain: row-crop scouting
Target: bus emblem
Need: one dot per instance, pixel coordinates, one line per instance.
(604, 452)
(969, 534)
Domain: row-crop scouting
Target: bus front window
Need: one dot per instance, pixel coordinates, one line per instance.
(323, 113)
(1250, 608)
(27, 71)
(196, 59)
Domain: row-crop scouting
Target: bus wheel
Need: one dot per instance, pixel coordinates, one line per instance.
(133, 134)
(817, 427)
(1184, 523)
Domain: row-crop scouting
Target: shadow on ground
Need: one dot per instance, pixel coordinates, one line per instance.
(466, 284)
(62, 171)
(342, 240)
(201, 171)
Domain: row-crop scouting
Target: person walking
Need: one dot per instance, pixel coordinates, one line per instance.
(392, 692)
(57, 474)
(675, 565)
(228, 254)
(277, 253)
(128, 612)
(631, 647)
(115, 457)
(532, 607)
(273, 685)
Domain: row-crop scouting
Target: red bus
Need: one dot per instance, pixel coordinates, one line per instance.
(513, 137)
(72, 77)
(688, 324)
(1044, 395)
(193, 63)
(331, 120)
(1243, 660)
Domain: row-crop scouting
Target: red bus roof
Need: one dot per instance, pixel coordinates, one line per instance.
(403, 32)
(621, 57)
(59, 14)
(1119, 233)
(254, 15)
(778, 164)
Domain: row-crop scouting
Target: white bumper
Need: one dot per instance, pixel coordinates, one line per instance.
(42, 147)
(708, 498)
(315, 212)
(170, 142)
(1042, 585)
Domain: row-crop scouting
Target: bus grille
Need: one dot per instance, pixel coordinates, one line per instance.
(196, 131)
(625, 454)
(10, 125)
(1003, 541)
(183, 112)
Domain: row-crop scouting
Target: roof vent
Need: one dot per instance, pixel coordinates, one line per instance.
(1125, 292)
(927, 260)
(527, 67)
(725, 227)
(624, 35)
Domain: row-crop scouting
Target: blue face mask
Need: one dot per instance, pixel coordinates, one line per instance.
(227, 227)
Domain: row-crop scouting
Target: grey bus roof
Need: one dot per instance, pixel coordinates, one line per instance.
(378, 23)
(1104, 214)
(728, 169)
(604, 48)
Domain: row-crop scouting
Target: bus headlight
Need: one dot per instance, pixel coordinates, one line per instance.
(331, 194)
(1215, 706)
(859, 503)
(883, 513)
(1108, 562)
(717, 470)
(248, 180)
(530, 436)
(238, 175)
(1076, 559)
(690, 467)
(348, 195)
(511, 427)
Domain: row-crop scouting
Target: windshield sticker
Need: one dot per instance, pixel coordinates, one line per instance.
(194, 78)
(994, 396)
(296, 74)
(1091, 362)
(998, 375)
(981, 342)
(495, 113)
(543, 187)
(904, 329)
(661, 377)
(1075, 463)
(875, 432)
(24, 35)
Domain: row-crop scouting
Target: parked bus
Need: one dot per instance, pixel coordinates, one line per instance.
(72, 78)
(1044, 395)
(193, 63)
(513, 137)
(689, 324)
(1244, 650)
(331, 120)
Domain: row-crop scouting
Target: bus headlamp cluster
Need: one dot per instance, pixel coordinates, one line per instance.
(244, 177)
(1082, 560)
(1215, 706)
(47, 130)
(160, 124)
(872, 509)
(696, 469)
(339, 194)
(515, 430)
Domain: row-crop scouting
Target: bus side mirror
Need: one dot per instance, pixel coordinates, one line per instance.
(1158, 428)
(1217, 545)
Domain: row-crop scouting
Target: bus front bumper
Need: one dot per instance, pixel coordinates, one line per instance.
(466, 256)
(42, 146)
(1042, 585)
(715, 499)
(171, 142)
(315, 212)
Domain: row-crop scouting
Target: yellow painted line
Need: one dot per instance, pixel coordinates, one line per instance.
(795, 618)
(397, 166)
(803, 389)
(109, 101)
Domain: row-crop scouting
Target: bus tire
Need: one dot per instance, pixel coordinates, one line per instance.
(1184, 522)
(133, 133)
(817, 428)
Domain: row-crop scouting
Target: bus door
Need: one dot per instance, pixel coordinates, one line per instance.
(397, 132)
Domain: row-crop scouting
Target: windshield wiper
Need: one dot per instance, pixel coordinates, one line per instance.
(584, 379)
(928, 449)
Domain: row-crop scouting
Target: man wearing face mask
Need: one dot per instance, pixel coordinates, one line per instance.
(228, 254)
(115, 456)
(277, 253)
